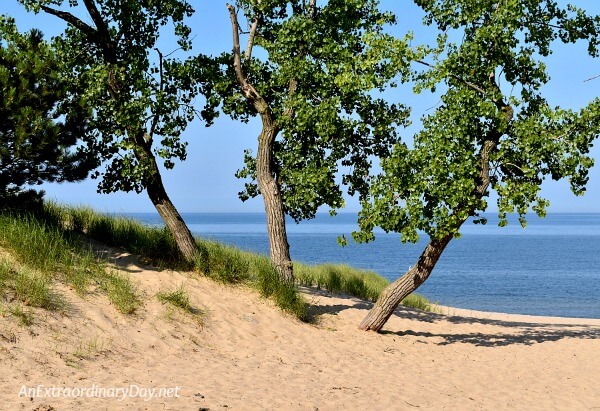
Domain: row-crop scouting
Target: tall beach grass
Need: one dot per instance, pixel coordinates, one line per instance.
(46, 253)
(51, 242)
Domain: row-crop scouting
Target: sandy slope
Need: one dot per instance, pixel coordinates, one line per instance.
(248, 355)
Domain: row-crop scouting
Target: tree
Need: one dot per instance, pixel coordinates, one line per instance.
(482, 137)
(313, 90)
(38, 143)
(141, 105)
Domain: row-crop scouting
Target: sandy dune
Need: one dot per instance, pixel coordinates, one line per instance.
(248, 355)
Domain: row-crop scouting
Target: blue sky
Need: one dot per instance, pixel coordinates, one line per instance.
(205, 182)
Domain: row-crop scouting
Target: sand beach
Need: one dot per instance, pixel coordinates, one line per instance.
(245, 354)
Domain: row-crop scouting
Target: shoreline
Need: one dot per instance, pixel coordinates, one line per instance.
(519, 318)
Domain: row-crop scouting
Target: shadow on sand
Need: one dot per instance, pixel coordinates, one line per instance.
(507, 333)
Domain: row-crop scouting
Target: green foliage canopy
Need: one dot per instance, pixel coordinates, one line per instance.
(141, 97)
(321, 69)
(494, 129)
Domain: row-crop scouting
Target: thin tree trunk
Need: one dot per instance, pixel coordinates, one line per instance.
(158, 196)
(279, 248)
(397, 291)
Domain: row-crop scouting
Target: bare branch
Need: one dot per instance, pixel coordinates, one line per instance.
(248, 90)
(101, 25)
(592, 78)
(237, 58)
(248, 56)
(468, 83)
(515, 166)
(72, 20)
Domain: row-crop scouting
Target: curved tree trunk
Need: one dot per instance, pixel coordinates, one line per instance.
(101, 37)
(397, 291)
(181, 233)
(279, 248)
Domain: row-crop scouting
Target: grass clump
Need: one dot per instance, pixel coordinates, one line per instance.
(419, 302)
(32, 289)
(363, 284)
(224, 263)
(25, 317)
(178, 298)
(46, 249)
(341, 278)
(120, 291)
(5, 275)
(154, 243)
(42, 245)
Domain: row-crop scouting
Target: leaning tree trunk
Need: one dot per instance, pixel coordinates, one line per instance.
(279, 248)
(155, 188)
(397, 291)
(101, 37)
(394, 293)
(181, 233)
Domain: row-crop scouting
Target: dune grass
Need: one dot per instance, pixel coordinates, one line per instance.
(364, 284)
(48, 242)
(225, 263)
(46, 253)
(154, 243)
(341, 278)
(24, 316)
(120, 291)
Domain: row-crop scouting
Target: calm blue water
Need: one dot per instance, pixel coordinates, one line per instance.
(552, 267)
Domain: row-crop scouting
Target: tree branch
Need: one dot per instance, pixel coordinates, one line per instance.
(468, 83)
(251, 40)
(237, 59)
(72, 20)
(157, 115)
(592, 78)
(248, 90)
(101, 25)
(104, 41)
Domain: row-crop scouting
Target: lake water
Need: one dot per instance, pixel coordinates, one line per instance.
(552, 267)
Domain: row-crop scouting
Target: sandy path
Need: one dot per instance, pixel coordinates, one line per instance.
(248, 355)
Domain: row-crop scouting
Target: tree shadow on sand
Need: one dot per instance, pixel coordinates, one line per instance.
(508, 332)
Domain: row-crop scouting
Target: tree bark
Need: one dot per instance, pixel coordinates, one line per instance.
(166, 209)
(181, 233)
(393, 294)
(279, 248)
